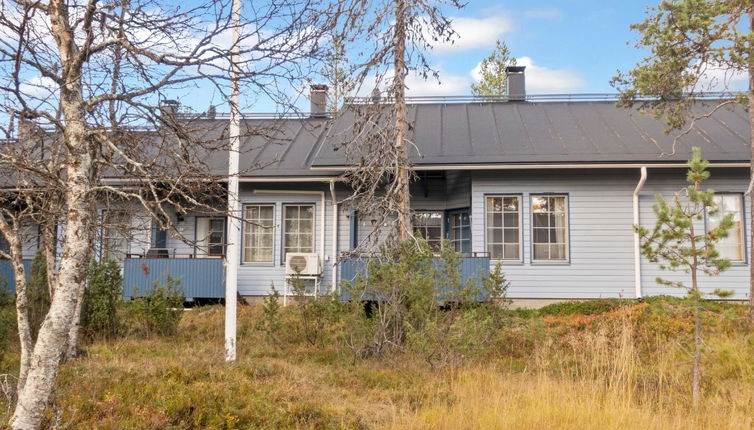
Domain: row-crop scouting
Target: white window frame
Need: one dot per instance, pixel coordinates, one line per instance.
(283, 244)
(457, 243)
(247, 224)
(442, 225)
(567, 247)
(202, 246)
(119, 235)
(742, 214)
(487, 243)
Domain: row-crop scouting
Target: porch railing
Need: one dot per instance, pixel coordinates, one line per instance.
(473, 266)
(8, 278)
(199, 277)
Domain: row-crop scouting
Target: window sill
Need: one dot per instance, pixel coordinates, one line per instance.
(551, 263)
(258, 265)
(507, 262)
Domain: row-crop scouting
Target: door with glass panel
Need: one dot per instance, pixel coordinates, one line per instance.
(458, 229)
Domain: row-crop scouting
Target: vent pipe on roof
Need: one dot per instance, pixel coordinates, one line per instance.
(516, 83)
(318, 99)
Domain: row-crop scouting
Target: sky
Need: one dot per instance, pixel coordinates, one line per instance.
(568, 46)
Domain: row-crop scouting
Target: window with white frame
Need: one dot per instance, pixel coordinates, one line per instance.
(258, 233)
(210, 237)
(504, 227)
(549, 220)
(115, 244)
(298, 228)
(731, 247)
(428, 225)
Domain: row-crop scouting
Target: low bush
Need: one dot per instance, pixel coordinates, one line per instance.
(157, 312)
(38, 293)
(418, 303)
(99, 316)
(7, 327)
(585, 307)
(270, 323)
(319, 317)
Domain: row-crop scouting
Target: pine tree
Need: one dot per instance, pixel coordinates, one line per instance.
(686, 42)
(677, 245)
(493, 81)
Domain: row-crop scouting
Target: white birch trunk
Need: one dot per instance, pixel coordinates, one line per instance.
(13, 236)
(80, 170)
(53, 335)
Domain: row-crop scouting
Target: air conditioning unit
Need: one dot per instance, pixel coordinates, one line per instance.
(303, 263)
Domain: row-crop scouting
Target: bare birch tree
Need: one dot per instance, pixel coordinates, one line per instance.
(89, 75)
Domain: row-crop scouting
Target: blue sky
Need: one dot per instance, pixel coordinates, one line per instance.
(570, 46)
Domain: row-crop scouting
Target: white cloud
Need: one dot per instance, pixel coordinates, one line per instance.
(543, 80)
(39, 88)
(448, 84)
(548, 14)
(474, 33)
(720, 78)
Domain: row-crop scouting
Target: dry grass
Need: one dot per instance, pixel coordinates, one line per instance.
(625, 369)
(483, 399)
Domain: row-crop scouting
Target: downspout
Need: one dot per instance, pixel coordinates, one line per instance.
(637, 244)
(334, 235)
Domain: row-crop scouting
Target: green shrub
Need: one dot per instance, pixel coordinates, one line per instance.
(318, 317)
(99, 316)
(419, 303)
(7, 326)
(270, 323)
(159, 311)
(38, 293)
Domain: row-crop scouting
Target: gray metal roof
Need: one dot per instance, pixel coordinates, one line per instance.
(553, 133)
(269, 147)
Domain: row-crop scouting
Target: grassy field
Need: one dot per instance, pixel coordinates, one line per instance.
(569, 367)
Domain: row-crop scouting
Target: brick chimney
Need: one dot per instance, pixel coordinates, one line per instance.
(516, 83)
(318, 99)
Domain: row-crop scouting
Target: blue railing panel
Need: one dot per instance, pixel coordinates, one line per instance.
(200, 277)
(7, 278)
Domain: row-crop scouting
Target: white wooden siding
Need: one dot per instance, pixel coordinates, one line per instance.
(601, 239)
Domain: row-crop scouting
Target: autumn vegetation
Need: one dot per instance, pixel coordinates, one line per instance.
(579, 365)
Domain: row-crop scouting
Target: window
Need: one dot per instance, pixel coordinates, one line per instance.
(210, 237)
(504, 227)
(115, 244)
(298, 228)
(460, 231)
(428, 224)
(549, 228)
(258, 234)
(731, 247)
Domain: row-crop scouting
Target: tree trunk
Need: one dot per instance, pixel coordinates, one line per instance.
(697, 372)
(74, 262)
(751, 172)
(72, 344)
(403, 200)
(53, 335)
(13, 236)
